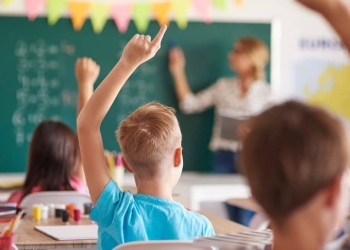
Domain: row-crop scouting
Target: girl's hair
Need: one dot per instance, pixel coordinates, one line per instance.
(258, 53)
(53, 158)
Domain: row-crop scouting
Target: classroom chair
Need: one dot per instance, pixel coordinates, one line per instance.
(161, 245)
(56, 197)
(259, 222)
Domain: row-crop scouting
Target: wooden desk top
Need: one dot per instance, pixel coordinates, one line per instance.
(224, 226)
(28, 238)
(247, 203)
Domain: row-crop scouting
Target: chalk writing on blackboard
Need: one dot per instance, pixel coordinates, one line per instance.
(38, 81)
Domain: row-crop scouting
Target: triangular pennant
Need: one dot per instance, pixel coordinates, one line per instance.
(141, 15)
(78, 12)
(161, 12)
(238, 2)
(55, 9)
(220, 4)
(121, 14)
(7, 2)
(34, 7)
(180, 9)
(204, 9)
(99, 15)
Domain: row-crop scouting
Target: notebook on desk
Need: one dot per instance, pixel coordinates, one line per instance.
(251, 240)
(69, 232)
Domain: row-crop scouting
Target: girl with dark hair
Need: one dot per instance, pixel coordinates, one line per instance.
(54, 159)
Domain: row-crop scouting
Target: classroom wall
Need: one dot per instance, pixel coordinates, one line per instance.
(296, 24)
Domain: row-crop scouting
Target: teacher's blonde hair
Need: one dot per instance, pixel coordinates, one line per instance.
(258, 53)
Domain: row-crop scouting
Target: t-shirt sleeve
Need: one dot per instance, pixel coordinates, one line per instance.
(110, 203)
(208, 229)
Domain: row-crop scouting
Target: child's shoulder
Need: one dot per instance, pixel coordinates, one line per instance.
(197, 218)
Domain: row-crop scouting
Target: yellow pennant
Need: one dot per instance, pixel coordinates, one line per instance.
(161, 12)
(238, 2)
(78, 12)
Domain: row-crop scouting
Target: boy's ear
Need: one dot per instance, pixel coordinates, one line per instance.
(334, 191)
(178, 157)
(126, 166)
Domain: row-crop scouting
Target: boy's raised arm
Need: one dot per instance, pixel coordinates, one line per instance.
(139, 49)
(337, 12)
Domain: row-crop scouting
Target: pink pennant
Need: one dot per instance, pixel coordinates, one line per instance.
(204, 9)
(34, 7)
(121, 14)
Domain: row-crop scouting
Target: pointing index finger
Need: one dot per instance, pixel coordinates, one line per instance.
(158, 39)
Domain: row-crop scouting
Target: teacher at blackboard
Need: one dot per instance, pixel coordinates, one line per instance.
(235, 99)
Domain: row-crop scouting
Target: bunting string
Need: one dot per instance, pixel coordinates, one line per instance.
(122, 11)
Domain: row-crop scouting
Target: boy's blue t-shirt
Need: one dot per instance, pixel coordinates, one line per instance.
(123, 217)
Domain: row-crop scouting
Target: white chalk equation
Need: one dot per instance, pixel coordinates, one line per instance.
(38, 95)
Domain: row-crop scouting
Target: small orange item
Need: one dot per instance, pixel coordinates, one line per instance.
(70, 208)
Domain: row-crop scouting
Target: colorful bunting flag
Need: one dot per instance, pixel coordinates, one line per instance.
(180, 9)
(204, 9)
(7, 2)
(33, 8)
(79, 11)
(161, 12)
(121, 14)
(99, 15)
(55, 9)
(141, 16)
(220, 4)
(238, 2)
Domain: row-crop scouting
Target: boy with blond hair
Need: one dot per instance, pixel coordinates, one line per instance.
(150, 139)
(295, 159)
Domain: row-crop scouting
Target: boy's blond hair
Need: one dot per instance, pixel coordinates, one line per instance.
(148, 137)
(292, 152)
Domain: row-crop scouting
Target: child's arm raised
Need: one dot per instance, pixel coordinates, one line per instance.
(337, 12)
(139, 49)
(86, 73)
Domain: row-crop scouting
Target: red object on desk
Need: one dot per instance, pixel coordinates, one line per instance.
(77, 215)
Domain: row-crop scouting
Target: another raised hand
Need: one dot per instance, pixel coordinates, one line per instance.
(86, 72)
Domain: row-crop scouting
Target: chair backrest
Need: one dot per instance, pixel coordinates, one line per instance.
(58, 197)
(259, 222)
(161, 245)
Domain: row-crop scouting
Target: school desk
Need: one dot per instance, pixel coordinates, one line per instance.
(28, 238)
(246, 203)
(224, 226)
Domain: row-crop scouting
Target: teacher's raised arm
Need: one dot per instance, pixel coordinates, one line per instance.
(234, 98)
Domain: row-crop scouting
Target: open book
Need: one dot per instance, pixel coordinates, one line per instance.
(253, 240)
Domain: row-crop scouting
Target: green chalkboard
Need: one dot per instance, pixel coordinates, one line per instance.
(37, 79)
